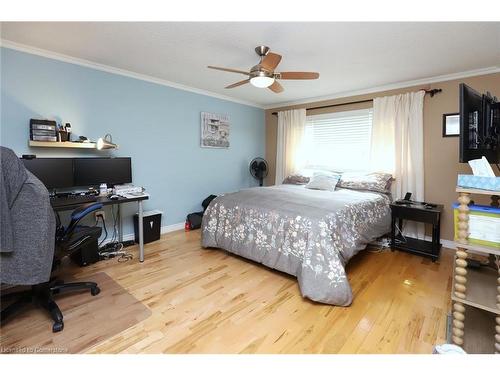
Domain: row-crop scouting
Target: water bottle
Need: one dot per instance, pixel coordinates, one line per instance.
(103, 190)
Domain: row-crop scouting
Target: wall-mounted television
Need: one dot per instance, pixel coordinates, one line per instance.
(479, 126)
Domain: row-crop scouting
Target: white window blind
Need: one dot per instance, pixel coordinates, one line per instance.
(339, 141)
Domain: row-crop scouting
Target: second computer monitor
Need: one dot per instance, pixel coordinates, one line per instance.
(94, 171)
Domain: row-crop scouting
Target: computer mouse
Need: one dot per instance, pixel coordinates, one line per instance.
(114, 197)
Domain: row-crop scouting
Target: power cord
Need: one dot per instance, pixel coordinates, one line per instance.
(103, 226)
(115, 225)
(401, 233)
(379, 245)
(113, 248)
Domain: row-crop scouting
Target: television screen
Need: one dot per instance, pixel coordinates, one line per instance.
(478, 126)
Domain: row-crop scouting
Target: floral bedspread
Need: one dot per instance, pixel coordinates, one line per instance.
(310, 234)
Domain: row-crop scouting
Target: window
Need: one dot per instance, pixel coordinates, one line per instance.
(338, 141)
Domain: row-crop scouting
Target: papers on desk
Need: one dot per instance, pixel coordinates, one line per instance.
(134, 195)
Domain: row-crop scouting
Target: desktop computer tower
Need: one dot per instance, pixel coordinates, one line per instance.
(87, 254)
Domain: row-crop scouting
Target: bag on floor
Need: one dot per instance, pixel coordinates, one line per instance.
(194, 220)
(207, 201)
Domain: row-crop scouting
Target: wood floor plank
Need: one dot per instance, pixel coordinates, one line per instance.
(208, 301)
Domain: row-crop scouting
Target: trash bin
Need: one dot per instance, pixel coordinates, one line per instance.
(151, 225)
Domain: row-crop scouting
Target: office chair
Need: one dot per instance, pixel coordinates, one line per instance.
(68, 240)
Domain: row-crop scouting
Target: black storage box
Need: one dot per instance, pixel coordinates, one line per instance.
(151, 225)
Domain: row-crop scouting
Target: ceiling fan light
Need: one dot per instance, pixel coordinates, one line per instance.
(262, 81)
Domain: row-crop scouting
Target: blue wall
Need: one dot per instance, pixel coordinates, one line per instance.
(158, 126)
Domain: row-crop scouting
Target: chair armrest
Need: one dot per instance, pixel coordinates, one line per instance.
(84, 210)
(78, 214)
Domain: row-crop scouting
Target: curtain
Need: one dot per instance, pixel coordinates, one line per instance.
(290, 153)
(397, 143)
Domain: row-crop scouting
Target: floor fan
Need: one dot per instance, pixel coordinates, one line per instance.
(259, 169)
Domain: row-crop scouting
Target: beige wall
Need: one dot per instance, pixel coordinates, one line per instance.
(440, 154)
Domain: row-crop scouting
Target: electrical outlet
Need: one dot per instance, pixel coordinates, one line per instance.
(100, 213)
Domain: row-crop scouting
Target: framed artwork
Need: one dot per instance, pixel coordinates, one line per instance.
(214, 130)
(451, 125)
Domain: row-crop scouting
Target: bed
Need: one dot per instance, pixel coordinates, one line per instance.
(310, 234)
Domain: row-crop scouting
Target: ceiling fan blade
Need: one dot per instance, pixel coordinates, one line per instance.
(276, 87)
(270, 61)
(298, 75)
(237, 84)
(229, 70)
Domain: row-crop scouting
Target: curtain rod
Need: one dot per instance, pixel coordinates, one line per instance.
(430, 92)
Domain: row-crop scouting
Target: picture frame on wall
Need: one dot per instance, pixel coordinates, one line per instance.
(451, 125)
(214, 130)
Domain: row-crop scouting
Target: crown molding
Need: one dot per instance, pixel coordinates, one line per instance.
(143, 77)
(110, 69)
(391, 86)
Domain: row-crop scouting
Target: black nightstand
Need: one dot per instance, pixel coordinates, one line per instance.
(422, 213)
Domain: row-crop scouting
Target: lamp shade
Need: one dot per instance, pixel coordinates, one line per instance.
(106, 143)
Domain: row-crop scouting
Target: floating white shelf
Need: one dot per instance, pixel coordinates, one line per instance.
(88, 145)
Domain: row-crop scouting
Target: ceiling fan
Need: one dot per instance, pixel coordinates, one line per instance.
(263, 74)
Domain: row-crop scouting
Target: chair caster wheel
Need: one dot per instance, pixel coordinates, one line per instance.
(95, 291)
(54, 289)
(57, 327)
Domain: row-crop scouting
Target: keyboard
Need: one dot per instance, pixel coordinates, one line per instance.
(72, 200)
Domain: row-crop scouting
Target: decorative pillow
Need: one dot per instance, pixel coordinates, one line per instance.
(380, 182)
(296, 179)
(323, 181)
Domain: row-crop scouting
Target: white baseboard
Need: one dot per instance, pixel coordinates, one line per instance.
(163, 230)
(179, 226)
(446, 243)
(172, 228)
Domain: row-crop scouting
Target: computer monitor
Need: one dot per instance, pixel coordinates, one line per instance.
(54, 173)
(95, 171)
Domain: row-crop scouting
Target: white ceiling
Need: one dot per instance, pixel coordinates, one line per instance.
(349, 56)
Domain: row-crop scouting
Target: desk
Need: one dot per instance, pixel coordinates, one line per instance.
(62, 204)
(420, 213)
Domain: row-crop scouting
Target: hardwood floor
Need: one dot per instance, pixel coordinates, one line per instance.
(208, 301)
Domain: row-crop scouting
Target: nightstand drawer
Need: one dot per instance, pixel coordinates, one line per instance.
(430, 216)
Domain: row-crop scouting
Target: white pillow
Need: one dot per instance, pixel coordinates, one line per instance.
(323, 181)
